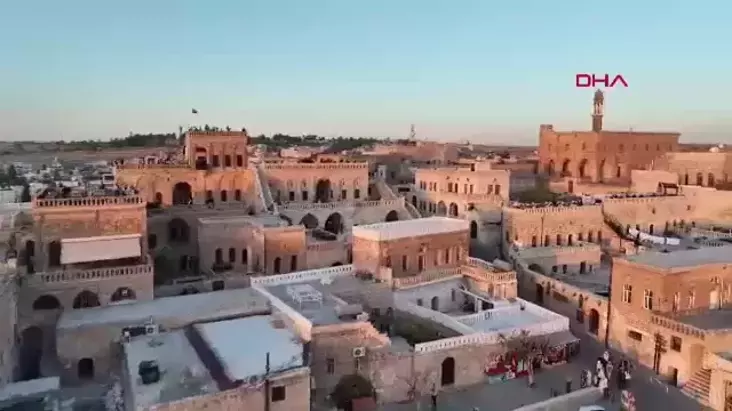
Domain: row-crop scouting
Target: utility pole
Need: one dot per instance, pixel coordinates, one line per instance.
(266, 384)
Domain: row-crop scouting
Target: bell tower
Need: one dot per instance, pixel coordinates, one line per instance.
(598, 109)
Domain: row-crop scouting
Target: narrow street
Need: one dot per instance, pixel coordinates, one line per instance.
(650, 393)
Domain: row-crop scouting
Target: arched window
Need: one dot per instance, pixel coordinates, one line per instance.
(224, 196)
(237, 195)
(46, 302)
(473, 230)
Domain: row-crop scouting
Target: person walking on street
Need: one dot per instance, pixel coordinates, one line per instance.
(434, 397)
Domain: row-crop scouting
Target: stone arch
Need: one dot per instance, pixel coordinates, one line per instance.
(334, 223)
(447, 374)
(567, 168)
(441, 208)
(182, 193)
(54, 253)
(453, 210)
(550, 168)
(310, 221)
(699, 179)
(594, 321)
(86, 299)
(473, 229)
(582, 168)
(392, 216)
(435, 303)
(323, 190)
(46, 302)
(31, 352)
(178, 230)
(123, 293)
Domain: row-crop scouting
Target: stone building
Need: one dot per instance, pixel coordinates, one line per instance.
(670, 312)
(599, 155)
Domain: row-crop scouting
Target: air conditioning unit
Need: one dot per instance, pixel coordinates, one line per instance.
(152, 329)
(359, 352)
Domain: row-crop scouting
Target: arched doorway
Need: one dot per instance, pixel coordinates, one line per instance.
(392, 216)
(277, 265)
(570, 186)
(54, 253)
(651, 229)
(86, 299)
(322, 191)
(29, 253)
(601, 171)
(123, 293)
(178, 230)
(539, 294)
(594, 324)
(583, 267)
(453, 210)
(447, 375)
(334, 223)
(441, 208)
(566, 168)
(85, 368)
(582, 168)
(473, 229)
(309, 221)
(182, 193)
(46, 302)
(31, 352)
(435, 303)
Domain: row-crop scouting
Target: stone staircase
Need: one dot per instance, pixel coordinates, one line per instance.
(698, 386)
(385, 192)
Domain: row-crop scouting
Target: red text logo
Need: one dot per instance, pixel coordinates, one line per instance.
(593, 80)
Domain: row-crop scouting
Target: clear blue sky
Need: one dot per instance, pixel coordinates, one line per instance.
(484, 70)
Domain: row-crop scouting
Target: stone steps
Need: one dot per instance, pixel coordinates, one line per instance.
(698, 386)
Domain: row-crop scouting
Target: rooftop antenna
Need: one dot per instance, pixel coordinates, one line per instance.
(412, 133)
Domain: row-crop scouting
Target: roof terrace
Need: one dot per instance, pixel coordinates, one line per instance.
(410, 228)
(683, 259)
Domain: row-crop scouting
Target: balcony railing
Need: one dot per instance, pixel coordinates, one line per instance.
(88, 275)
(88, 201)
(681, 328)
(427, 276)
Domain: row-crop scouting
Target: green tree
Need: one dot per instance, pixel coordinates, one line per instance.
(525, 347)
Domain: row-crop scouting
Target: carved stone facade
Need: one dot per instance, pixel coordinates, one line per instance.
(600, 155)
(655, 306)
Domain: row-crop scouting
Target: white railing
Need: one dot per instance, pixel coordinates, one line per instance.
(386, 192)
(302, 325)
(307, 275)
(472, 319)
(259, 186)
(427, 276)
(412, 209)
(342, 204)
(477, 262)
(266, 192)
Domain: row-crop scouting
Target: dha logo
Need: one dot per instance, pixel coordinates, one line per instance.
(592, 80)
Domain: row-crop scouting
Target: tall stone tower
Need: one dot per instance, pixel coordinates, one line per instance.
(598, 109)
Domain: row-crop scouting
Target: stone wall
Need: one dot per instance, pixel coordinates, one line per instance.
(582, 258)
(552, 225)
(297, 397)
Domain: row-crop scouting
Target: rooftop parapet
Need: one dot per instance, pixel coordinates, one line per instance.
(145, 166)
(332, 166)
(89, 201)
(552, 208)
(52, 277)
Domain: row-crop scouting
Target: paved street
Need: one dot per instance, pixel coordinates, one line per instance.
(650, 394)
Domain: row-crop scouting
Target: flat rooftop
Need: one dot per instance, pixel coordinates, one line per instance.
(708, 320)
(241, 346)
(684, 258)
(312, 299)
(183, 374)
(185, 308)
(516, 319)
(410, 228)
(264, 221)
